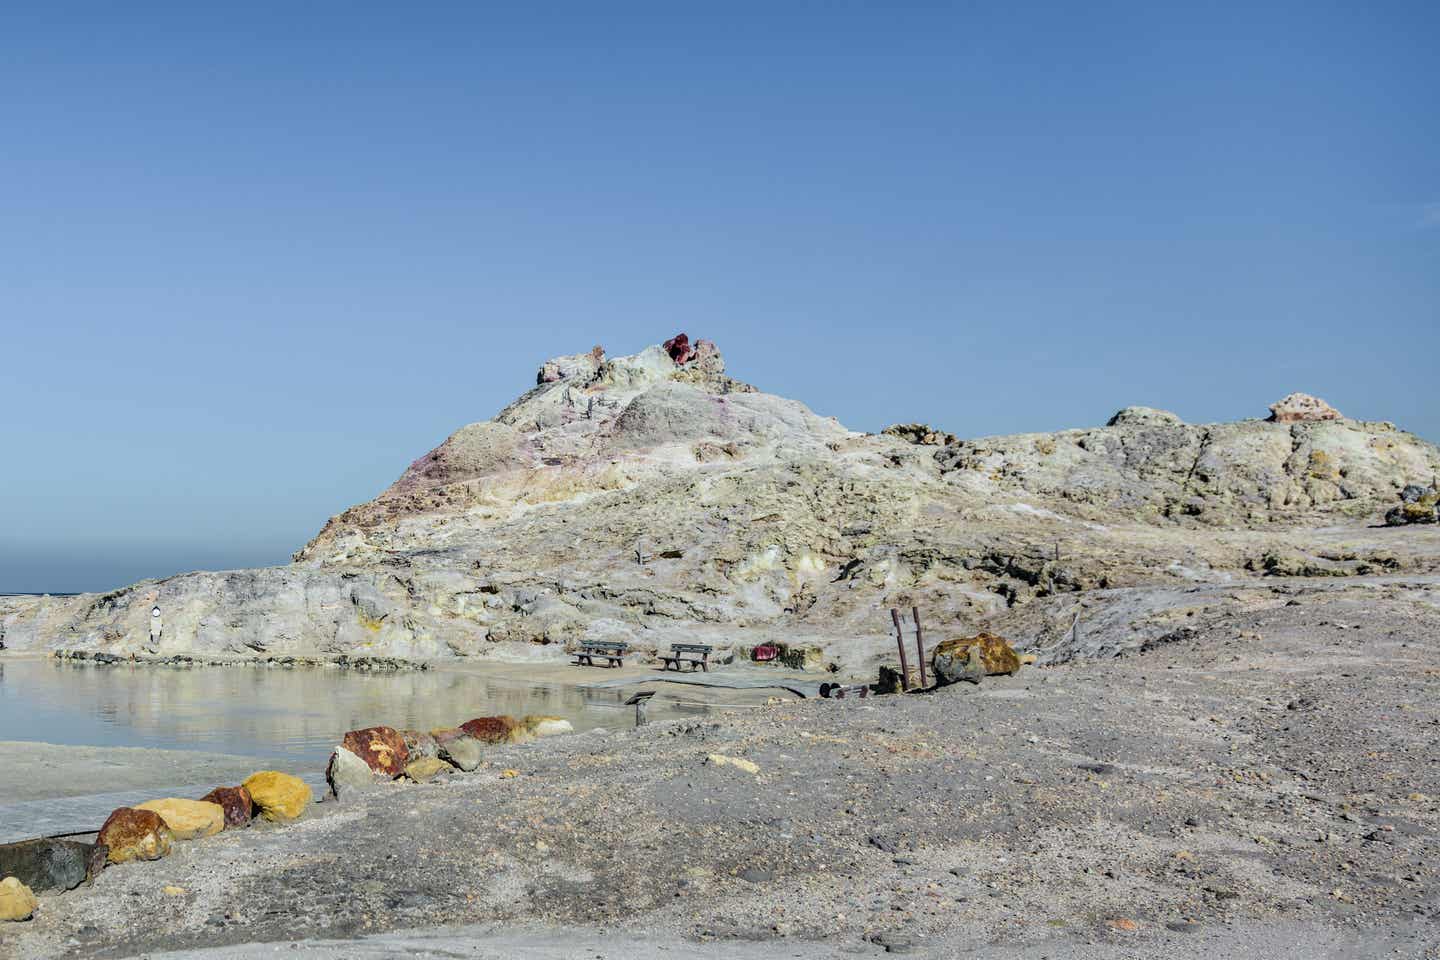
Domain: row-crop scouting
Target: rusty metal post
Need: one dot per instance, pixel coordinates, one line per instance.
(920, 647)
(900, 643)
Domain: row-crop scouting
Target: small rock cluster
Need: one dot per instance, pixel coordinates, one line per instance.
(371, 756)
(362, 664)
(1417, 505)
(146, 831)
(364, 759)
(919, 433)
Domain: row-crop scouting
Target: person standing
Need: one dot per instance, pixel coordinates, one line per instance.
(155, 626)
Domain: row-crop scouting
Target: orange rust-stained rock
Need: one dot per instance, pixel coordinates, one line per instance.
(970, 658)
(235, 801)
(131, 834)
(492, 729)
(382, 749)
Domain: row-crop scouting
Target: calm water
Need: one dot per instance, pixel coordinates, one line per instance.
(295, 716)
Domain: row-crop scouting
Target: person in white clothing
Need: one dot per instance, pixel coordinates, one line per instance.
(155, 625)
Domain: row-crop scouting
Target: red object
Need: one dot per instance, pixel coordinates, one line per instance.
(679, 349)
(766, 652)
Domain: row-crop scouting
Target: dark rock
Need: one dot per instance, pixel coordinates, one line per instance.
(235, 801)
(679, 349)
(52, 864)
(1099, 768)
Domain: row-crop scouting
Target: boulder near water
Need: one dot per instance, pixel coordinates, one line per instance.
(461, 750)
(188, 819)
(17, 901)
(51, 864)
(348, 775)
(494, 729)
(131, 834)
(539, 726)
(970, 658)
(278, 796)
(235, 801)
(419, 744)
(382, 748)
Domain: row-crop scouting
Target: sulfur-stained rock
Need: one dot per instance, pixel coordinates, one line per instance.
(278, 796)
(462, 751)
(493, 729)
(235, 801)
(970, 658)
(540, 726)
(51, 864)
(382, 749)
(426, 769)
(419, 744)
(347, 774)
(188, 819)
(130, 834)
(17, 901)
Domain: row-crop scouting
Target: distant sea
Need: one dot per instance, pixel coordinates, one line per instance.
(55, 594)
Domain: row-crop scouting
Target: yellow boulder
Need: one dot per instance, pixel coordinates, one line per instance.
(970, 658)
(426, 769)
(278, 796)
(188, 819)
(16, 900)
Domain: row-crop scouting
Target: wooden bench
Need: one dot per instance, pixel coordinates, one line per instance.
(695, 654)
(612, 651)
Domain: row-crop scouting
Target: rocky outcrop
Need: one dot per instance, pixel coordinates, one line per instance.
(1417, 505)
(130, 834)
(46, 864)
(1302, 408)
(278, 796)
(642, 499)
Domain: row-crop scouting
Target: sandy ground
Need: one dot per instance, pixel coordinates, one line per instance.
(1263, 784)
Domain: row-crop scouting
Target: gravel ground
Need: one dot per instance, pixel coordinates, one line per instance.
(1263, 783)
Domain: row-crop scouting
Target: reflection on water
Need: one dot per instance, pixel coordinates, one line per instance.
(288, 715)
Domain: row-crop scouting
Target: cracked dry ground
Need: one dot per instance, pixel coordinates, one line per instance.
(1275, 767)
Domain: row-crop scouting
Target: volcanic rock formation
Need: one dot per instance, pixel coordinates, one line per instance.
(653, 498)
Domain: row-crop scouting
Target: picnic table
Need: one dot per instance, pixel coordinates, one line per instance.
(695, 654)
(612, 651)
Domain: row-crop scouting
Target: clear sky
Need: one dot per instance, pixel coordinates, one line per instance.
(255, 260)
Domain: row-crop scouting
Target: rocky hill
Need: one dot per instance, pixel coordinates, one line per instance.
(653, 498)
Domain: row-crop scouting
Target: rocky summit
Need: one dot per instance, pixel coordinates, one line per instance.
(654, 498)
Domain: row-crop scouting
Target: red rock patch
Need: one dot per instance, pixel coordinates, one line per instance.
(382, 749)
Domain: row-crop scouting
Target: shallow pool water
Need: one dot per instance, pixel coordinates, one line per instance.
(289, 715)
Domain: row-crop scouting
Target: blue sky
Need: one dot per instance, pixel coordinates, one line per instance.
(253, 262)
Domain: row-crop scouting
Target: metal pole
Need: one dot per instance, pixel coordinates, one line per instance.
(920, 647)
(900, 643)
